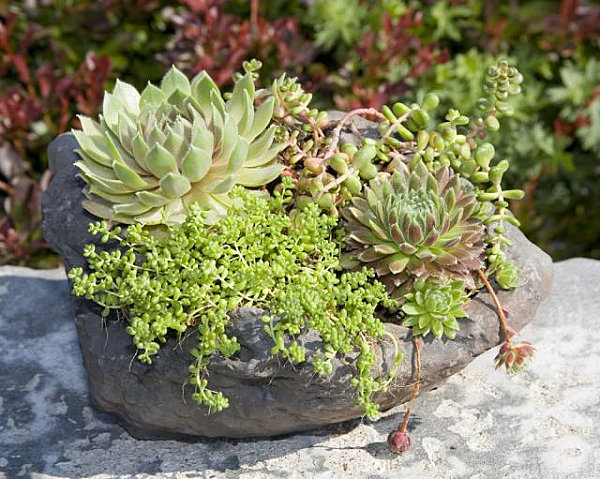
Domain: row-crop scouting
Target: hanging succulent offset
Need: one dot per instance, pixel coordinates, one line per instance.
(153, 154)
(413, 225)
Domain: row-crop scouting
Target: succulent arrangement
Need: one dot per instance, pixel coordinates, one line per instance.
(253, 198)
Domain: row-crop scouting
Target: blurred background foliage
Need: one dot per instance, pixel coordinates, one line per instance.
(57, 57)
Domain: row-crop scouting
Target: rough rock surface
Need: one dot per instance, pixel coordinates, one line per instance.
(480, 424)
(267, 396)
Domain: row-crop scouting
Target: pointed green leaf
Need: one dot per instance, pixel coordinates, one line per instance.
(411, 321)
(453, 324)
(152, 199)
(115, 187)
(113, 150)
(152, 97)
(378, 230)
(96, 208)
(161, 162)
(262, 118)
(156, 137)
(175, 212)
(140, 151)
(253, 177)
(94, 147)
(437, 328)
(128, 176)
(153, 216)
(178, 99)
(409, 308)
(93, 169)
(111, 198)
(217, 102)
(398, 264)
(127, 131)
(173, 143)
(135, 208)
(118, 153)
(111, 106)
(360, 215)
(204, 140)
(264, 157)
(196, 164)
(89, 126)
(174, 185)
(224, 186)
(238, 156)
(363, 236)
(230, 140)
(175, 80)
(129, 96)
(236, 105)
(386, 248)
(202, 86)
(261, 144)
(218, 126)
(247, 119)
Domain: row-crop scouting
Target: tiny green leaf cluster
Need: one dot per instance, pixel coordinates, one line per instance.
(258, 255)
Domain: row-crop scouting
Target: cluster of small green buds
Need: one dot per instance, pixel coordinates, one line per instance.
(292, 101)
(360, 161)
(489, 182)
(507, 274)
(296, 148)
(330, 182)
(249, 66)
(406, 120)
(448, 146)
(501, 82)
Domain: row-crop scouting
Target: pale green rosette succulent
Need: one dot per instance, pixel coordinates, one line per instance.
(151, 155)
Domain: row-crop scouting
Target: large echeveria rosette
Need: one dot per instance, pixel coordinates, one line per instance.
(413, 225)
(153, 154)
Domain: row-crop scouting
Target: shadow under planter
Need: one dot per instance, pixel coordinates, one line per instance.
(267, 395)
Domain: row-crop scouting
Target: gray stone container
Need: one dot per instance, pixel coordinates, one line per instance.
(267, 395)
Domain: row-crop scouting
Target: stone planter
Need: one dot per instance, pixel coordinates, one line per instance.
(267, 395)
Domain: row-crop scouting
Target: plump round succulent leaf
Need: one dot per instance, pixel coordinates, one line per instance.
(151, 155)
(414, 224)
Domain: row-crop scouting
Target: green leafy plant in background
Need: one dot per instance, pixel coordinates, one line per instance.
(39, 95)
(579, 98)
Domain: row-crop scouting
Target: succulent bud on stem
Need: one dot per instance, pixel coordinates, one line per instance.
(399, 440)
(513, 356)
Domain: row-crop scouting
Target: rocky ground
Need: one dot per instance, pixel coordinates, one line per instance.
(479, 424)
